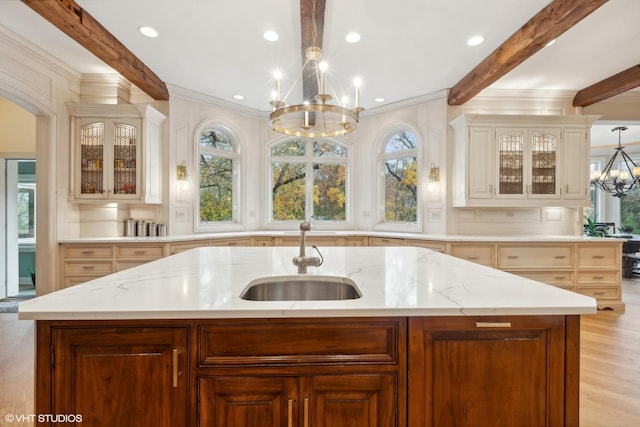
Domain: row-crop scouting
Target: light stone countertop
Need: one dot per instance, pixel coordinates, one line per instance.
(205, 283)
(320, 233)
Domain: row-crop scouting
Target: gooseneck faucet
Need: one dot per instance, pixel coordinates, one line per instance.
(302, 261)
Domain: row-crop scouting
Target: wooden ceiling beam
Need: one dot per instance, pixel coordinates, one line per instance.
(75, 22)
(311, 36)
(611, 86)
(548, 24)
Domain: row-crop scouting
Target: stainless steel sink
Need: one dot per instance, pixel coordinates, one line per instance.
(301, 287)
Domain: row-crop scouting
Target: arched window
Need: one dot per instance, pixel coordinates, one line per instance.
(218, 164)
(399, 170)
(309, 179)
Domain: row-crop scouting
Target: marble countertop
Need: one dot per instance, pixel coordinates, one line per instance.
(319, 233)
(394, 281)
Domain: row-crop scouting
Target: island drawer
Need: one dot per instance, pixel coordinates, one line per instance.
(535, 256)
(244, 342)
(608, 277)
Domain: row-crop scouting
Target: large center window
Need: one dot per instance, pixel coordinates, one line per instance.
(399, 163)
(309, 180)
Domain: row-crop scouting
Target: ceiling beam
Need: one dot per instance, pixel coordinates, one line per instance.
(75, 22)
(311, 36)
(548, 24)
(614, 85)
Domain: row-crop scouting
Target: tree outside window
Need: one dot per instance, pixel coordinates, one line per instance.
(400, 171)
(309, 179)
(217, 160)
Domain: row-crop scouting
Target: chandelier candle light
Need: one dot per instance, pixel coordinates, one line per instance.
(315, 118)
(616, 181)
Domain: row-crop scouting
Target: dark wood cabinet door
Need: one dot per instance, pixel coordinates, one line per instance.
(248, 401)
(487, 371)
(121, 376)
(349, 400)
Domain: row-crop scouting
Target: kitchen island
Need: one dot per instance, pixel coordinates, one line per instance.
(434, 340)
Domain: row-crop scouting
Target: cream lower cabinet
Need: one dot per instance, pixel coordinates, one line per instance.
(599, 267)
(80, 263)
(480, 253)
(132, 255)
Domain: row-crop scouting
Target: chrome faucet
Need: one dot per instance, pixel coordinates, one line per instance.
(302, 261)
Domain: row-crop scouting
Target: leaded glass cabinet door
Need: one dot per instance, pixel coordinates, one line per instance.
(543, 155)
(91, 158)
(511, 157)
(125, 140)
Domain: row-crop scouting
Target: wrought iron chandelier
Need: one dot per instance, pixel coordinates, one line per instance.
(315, 118)
(620, 175)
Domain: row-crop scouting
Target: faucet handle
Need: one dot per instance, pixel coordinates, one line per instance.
(321, 257)
(305, 226)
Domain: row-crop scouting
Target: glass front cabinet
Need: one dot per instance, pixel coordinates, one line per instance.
(115, 153)
(521, 160)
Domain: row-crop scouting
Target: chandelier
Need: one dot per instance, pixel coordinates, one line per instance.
(620, 175)
(317, 117)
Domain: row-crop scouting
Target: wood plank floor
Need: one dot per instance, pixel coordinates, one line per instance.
(609, 371)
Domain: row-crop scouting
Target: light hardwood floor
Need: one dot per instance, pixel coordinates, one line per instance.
(609, 371)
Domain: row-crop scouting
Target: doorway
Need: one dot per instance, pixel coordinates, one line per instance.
(18, 195)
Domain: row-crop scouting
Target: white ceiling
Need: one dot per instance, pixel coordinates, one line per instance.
(408, 48)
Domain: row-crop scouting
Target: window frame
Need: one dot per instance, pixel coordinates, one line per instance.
(309, 159)
(237, 217)
(380, 158)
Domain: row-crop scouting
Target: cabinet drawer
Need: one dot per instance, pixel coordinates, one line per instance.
(124, 265)
(480, 254)
(385, 241)
(556, 278)
(232, 242)
(181, 247)
(263, 341)
(612, 277)
(434, 246)
(262, 241)
(533, 257)
(76, 280)
(600, 292)
(599, 256)
(83, 252)
(98, 268)
(147, 252)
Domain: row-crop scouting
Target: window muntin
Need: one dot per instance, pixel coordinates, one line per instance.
(399, 162)
(309, 179)
(218, 161)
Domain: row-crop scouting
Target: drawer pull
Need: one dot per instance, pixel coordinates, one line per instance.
(88, 267)
(493, 324)
(598, 256)
(560, 256)
(513, 256)
(559, 278)
(140, 252)
(472, 258)
(598, 277)
(176, 354)
(88, 252)
(599, 293)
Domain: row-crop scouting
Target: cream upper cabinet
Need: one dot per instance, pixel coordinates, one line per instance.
(521, 160)
(115, 153)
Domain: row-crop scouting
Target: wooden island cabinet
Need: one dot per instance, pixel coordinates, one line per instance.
(328, 372)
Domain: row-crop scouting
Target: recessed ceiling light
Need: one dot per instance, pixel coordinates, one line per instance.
(475, 41)
(148, 31)
(238, 97)
(379, 99)
(352, 37)
(270, 36)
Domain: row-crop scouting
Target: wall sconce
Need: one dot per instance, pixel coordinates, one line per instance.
(181, 173)
(434, 173)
